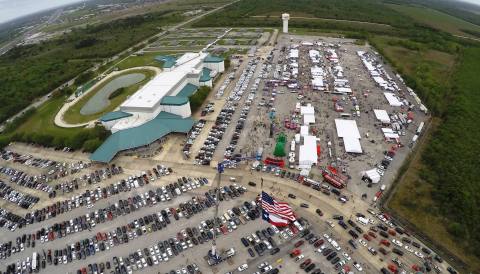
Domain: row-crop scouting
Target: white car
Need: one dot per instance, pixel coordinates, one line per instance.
(419, 255)
(362, 242)
(397, 242)
(357, 266)
(346, 256)
(243, 267)
(408, 248)
(299, 257)
(326, 236)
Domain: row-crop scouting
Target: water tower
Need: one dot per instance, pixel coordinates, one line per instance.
(285, 18)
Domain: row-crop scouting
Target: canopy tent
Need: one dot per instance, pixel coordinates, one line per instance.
(308, 152)
(373, 175)
(304, 131)
(348, 130)
(382, 116)
(393, 99)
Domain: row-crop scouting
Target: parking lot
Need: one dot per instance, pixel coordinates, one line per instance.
(62, 214)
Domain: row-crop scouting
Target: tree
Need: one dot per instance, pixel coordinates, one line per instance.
(91, 145)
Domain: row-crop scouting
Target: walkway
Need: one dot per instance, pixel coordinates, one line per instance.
(59, 121)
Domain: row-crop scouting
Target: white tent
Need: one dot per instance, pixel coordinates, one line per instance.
(304, 131)
(388, 133)
(352, 145)
(308, 119)
(308, 152)
(348, 130)
(308, 113)
(308, 109)
(382, 116)
(392, 99)
(342, 90)
(373, 175)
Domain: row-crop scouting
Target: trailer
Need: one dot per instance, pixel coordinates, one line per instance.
(334, 182)
(34, 261)
(420, 128)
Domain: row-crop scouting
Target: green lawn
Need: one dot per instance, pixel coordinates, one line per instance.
(43, 120)
(72, 115)
(437, 19)
(147, 59)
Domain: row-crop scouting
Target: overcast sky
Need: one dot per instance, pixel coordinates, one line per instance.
(11, 9)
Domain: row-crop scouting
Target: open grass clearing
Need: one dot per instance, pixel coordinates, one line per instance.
(437, 19)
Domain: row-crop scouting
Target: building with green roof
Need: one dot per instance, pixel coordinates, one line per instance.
(141, 136)
(159, 107)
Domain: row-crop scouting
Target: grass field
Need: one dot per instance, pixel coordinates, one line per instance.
(147, 59)
(43, 120)
(437, 19)
(72, 115)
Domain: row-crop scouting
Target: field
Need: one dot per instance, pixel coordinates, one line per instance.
(146, 59)
(73, 116)
(241, 13)
(40, 128)
(438, 20)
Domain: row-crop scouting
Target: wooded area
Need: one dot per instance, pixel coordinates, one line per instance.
(28, 72)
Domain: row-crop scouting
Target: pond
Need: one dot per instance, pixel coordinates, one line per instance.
(100, 100)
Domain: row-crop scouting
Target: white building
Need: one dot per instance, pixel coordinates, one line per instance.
(285, 18)
(160, 107)
(169, 90)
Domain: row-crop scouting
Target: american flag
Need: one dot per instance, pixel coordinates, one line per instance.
(281, 209)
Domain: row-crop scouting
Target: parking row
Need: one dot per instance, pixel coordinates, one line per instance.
(121, 235)
(26, 159)
(19, 198)
(87, 198)
(192, 136)
(107, 214)
(224, 117)
(21, 178)
(94, 177)
(165, 250)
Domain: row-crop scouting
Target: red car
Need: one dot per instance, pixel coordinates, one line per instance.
(367, 237)
(299, 243)
(392, 268)
(305, 263)
(372, 234)
(295, 253)
(385, 242)
(318, 243)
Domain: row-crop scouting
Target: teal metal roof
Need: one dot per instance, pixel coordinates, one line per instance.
(114, 115)
(174, 100)
(205, 75)
(163, 124)
(168, 60)
(213, 59)
(188, 90)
